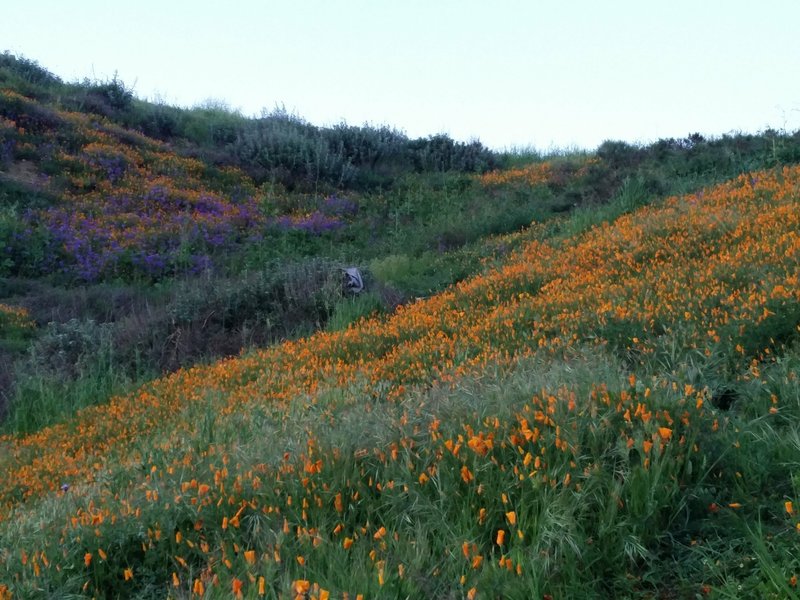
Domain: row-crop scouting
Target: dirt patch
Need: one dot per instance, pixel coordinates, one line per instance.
(25, 173)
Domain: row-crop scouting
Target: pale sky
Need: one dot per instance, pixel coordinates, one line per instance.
(542, 74)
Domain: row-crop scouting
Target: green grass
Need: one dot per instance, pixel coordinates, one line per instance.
(43, 395)
(624, 532)
(350, 309)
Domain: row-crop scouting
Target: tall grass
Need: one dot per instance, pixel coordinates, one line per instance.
(68, 369)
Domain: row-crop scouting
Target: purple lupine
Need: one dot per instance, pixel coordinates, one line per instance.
(113, 165)
(149, 232)
(199, 263)
(317, 223)
(334, 205)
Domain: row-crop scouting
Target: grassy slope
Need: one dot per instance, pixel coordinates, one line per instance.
(621, 404)
(93, 212)
(101, 194)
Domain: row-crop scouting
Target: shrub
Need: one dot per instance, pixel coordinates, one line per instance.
(64, 350)
(26, 70)
(212, 123)
(108, 98)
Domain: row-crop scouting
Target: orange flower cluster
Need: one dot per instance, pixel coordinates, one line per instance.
(15, 317)
(533, 174)
(556, 172)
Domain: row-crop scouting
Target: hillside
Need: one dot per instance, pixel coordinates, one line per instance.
(571, 376)
(623, 397)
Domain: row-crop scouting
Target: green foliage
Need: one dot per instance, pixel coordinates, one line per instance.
(21, 255)
(26, 75)
(211, 124)
(15, 331)
(415, 275)
(26, 69)
(109, 337)
(109, 98)
(282, 147)
(70, 366)
(351, 308)
(632, 194)
(279, 297)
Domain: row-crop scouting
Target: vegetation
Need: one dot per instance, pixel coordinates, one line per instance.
(570, 376)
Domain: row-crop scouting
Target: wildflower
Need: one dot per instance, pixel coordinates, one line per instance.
(479, 445)
(128, 574)
(301, 586)
(789, 507)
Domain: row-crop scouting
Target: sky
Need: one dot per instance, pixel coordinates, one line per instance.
(534, 74)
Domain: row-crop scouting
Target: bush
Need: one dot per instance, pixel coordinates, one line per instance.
(107, 98)
(65, 350)
(212, 123)
(26, 70)
(416, 275)
(71, 366)
(283, 148)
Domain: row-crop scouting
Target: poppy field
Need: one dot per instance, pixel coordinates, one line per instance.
(609, 412)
